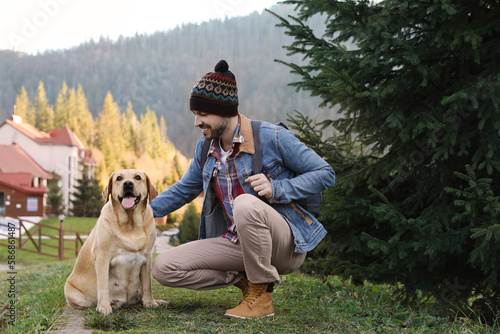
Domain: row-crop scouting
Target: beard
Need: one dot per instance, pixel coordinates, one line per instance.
(215, 131)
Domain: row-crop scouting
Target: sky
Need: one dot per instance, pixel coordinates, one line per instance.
(33, 26)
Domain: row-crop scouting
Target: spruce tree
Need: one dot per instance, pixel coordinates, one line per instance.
(54, 197)
(23, 107)
(163, 129)
(177, 170)
(130, 127)
(87, 199)
(61, 107)
(417, 87)
(44, 114)
(109, 138)
(85, 128)
(72, 117)
(151, 138)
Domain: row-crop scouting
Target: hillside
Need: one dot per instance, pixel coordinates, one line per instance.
(159, 71)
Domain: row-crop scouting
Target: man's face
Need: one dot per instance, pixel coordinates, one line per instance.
(212, 126)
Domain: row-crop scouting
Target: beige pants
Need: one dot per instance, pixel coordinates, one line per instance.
(264, 251)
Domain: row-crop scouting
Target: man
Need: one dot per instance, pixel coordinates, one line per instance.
(251, 231)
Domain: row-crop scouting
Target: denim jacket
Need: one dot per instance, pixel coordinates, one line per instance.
(295, 172)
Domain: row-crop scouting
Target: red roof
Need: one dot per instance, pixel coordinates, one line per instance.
(15, 160)
(28, 129)
(22, 179)
(63, 136)
(21, 182)
(17, 170)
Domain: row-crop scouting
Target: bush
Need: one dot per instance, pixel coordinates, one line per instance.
(190, 225)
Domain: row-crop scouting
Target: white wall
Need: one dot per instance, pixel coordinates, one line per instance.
(58, 159)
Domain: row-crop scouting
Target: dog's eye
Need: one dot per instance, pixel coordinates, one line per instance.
(119, 178)
(138, 177)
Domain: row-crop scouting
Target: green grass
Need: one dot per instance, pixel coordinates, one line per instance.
(71, 223)
(23, 258)
(38, 295)
(302, 304)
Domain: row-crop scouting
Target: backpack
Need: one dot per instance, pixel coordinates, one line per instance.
(311, 203)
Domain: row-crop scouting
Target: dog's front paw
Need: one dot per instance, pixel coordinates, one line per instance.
(160, 302)
(153, 303)
(104, 309)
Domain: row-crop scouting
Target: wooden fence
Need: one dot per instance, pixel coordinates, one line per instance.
(32, 239)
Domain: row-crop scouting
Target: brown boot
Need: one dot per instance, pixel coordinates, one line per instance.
(242, 284)
(258, 303)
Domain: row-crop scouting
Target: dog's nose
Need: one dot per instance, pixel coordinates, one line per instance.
(128, 185)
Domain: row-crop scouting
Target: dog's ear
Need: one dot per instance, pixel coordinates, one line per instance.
(152, 192)
(107, 190)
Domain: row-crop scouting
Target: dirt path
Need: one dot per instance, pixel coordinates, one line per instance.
(5, 267)
(71, 322)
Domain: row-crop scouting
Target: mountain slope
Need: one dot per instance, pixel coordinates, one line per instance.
(159, 71)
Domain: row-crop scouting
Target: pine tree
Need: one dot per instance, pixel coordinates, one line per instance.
(61, 107)
(109, 138)
(23, 107)
(151, 138)
(54, 197)
(85, 122)
(188, 230)
(72, 120)
(163, 130)
(87, 199)
(66, 110)
(130, 129)
(44, 114)
(177, 170)
(417, 85)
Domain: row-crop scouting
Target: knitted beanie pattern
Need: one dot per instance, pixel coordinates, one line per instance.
(216, 92)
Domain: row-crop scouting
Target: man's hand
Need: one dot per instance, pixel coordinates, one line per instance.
(261, 185)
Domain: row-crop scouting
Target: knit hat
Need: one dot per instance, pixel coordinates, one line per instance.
(216, 92)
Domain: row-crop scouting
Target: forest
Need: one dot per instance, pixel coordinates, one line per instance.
(118, 139)
(159, 71)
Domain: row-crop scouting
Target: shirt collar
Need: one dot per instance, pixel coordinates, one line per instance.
(237, 138)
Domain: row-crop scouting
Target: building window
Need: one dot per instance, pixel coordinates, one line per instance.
(32, 204)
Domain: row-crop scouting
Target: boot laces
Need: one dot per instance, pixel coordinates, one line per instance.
(254, 292)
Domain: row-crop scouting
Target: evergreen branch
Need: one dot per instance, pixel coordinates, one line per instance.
(386, 201)
(338, 76)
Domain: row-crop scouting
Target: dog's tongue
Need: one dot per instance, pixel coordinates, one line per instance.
(128, 202)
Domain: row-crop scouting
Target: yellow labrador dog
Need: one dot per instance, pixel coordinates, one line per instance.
(113, 268)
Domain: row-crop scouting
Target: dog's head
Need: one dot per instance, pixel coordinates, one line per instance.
(129, 187)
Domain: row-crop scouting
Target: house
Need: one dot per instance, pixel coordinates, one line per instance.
(59, 152)
(23, 183)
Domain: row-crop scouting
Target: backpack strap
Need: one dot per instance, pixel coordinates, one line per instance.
(204, 153)
(257, 157)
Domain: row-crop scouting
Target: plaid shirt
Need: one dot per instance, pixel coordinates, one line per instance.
(226, 183)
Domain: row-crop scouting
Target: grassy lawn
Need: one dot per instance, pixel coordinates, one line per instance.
(80, 224)
(303, 304)
(72, 223)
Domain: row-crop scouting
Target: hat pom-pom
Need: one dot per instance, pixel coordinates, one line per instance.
(221, 66)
